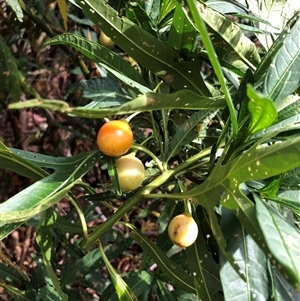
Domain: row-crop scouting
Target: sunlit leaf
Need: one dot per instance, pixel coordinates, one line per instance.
(262, 111)
(282, 238)
(147, 102)
(250, 258)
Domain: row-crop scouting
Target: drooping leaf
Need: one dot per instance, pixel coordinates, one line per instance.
(123, 290)
(231, 45)
(173, 271)
(103, 92)
(151, 53)
(49, 190)
(204, 270)
(97, 53)
(147, 102)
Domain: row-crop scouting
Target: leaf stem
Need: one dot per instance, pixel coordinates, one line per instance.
(148, 152)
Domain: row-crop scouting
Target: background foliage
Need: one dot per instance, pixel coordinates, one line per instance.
(213, 89)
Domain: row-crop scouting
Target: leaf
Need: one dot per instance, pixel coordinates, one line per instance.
(251, 259)
(44, 240)
(13, 160)
(148, 51)
(173, 271)
(17, 294)
(6, 229)
(49, 190)
(204, 270)
(62, 5)
(139, 283)
(103, 92)
(262, 111)
(97, 53)
(136, 14)
(188, 130)
(289, 124)
(283, 239)
(123, 291)
(282, 78)
(275, 12)
(182, 35)
(11, 77)
(147, 102)
(16, 8)
(230, 44)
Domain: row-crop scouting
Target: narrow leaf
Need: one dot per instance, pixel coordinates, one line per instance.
(250, 258)
(153, 54)
(282, 239)
(44, 240)
(62, 5)
(97, 53)
(283, 78)
(150, 101)
(173, 271)
(123, 291)
(49, 190)
(188, 131)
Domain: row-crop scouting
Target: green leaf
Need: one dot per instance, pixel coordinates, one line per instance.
(148, 51)
(44, 240)
(282, 239)
(103, 92)
(123, 291)
(230, 44)
(49, 190)
(282, 78)
(6, 229)
(187, 131)
(13, 160)
(204, 270)
(139, 283)
(276, 13)
(251, 259)
(262, 111)
(11, 77)
(16, 8)
(147, 102)
(97, 53)
(182, 35)
(17, 294)
(173, 271)
(136, 14)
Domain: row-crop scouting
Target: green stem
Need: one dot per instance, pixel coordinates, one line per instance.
(165, 117)
(154, 127)
(78, 208)
(148, 152)
(214, 61)
(142, 193)
(103, 228)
